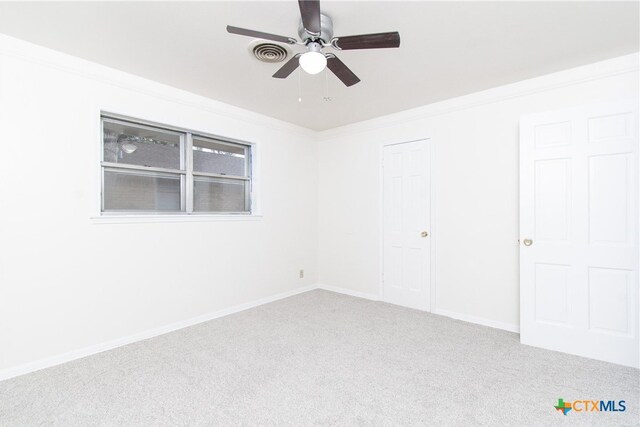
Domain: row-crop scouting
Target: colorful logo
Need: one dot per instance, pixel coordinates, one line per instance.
(590, 406)
(563, 406)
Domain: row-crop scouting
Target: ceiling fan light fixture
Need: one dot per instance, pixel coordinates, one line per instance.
(313, 62)
(316, 32)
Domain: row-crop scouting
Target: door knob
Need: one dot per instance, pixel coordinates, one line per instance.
(527, 242)
(424, 234)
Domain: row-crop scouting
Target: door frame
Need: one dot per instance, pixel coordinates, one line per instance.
(431, 226)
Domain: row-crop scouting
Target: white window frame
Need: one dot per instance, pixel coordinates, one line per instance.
(186, 173)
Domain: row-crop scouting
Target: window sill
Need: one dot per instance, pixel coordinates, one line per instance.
(133, 219)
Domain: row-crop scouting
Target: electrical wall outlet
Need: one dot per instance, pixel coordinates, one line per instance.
(302, 274)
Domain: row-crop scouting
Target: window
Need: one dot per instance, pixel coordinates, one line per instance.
(148, 169)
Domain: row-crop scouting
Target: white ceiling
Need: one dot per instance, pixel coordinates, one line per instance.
(447, 48)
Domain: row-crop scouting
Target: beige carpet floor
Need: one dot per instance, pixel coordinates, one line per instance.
(321, 358)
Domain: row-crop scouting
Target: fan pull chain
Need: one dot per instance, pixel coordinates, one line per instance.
(327, 98)
(299, 86)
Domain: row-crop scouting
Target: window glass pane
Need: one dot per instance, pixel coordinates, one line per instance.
(213, 157)
(220, 195)
(127, 191)
(142, 146)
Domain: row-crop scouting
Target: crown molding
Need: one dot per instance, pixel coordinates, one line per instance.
(20, 49)
(25, 51)
(573, 76)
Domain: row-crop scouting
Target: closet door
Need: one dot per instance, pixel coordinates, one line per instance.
(579, 231)
(406, 219)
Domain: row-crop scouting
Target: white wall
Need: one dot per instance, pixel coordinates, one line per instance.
(476, 188)
(66, 288)
(65, 282)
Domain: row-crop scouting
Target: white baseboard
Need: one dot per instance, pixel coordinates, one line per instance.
(98, 348)
(511, 327)
(358, 294)
(458, 316)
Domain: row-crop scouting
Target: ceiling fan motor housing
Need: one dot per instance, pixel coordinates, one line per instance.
(326, 30)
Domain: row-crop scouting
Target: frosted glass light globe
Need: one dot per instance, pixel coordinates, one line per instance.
(313, 62)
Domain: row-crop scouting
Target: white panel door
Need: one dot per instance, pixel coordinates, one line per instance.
(579, 231)
(406, 219)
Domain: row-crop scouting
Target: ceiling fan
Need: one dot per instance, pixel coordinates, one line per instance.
(316, 33)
